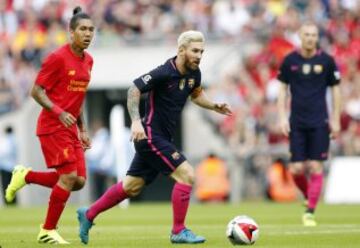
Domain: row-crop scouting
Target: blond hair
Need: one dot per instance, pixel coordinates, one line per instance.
(187, 37)
(308, 24)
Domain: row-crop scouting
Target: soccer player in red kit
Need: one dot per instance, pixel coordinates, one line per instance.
(60, 89)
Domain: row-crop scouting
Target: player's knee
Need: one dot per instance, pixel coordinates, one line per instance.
(295, 171)
(296, 168)
(68, 180)
(133, 187)
(80, 183)
(316, 167)
(133, 190)
(184, 174)
(187, 177)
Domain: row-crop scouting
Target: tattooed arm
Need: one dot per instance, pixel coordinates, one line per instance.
(38, 93)
(133, 101)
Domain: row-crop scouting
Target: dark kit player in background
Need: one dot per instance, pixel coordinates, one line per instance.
(60, 89)
(168, 87)
(309, 72)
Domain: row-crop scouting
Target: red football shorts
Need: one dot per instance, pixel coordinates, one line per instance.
(63, 151)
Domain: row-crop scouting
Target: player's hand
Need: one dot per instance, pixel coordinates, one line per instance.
(334, 129)
(222, 108)
(285, 127)
(67, 119)
(85, 139)
(137, 131)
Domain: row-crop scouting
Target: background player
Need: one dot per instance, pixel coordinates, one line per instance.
(60, 89)
(309, 72)
(169, 86)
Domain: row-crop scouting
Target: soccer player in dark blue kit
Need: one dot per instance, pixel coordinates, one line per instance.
(168, 87)
(309, 72)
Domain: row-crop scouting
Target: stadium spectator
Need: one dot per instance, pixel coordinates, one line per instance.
(101, 159)
(8, 157)
(281, 187)
(212, 181)
(265, 24)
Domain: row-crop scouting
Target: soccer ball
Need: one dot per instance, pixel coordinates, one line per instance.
(242, 230)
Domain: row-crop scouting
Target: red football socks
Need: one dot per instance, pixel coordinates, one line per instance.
(302, 183)
(180, 202)
(58, 199)
(47, 179)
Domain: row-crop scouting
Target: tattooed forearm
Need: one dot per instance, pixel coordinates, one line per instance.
(133, 100)
(38, 93)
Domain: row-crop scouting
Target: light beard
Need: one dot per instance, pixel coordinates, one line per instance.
(310, 50)
(188, 67)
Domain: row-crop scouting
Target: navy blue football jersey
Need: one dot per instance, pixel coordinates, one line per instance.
(308, 79)
(168, 91)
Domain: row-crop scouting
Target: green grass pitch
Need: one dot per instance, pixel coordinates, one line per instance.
(148, 226)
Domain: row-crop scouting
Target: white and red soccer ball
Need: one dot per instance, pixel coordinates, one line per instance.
(242, 230)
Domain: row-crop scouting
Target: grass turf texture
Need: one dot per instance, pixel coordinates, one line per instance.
(148, 225)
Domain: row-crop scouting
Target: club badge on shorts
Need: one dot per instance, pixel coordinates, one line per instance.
(182, 84)
(318, 69)
(306, 68)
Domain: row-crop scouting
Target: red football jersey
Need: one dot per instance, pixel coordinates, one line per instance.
(65, 78)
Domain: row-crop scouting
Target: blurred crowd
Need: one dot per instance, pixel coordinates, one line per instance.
(31, 28)
(251, 88)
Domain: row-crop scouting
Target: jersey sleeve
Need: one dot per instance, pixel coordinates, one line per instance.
(283, 74)
(151, 80)
(333, 76)
(49, 72)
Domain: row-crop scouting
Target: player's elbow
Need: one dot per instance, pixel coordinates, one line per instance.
(195, 100)
(35, 91)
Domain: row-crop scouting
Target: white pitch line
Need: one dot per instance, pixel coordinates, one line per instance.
(320, 225)
(312, 232)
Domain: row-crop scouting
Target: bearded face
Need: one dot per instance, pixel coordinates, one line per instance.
(193, 54)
